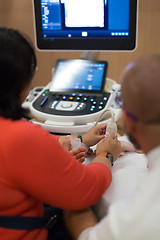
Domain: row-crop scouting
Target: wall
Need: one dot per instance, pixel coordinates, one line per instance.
(19, 14)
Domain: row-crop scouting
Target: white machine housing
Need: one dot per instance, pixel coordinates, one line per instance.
(70, 124)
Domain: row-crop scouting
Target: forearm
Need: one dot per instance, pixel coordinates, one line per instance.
(103, 160)
(85, 140)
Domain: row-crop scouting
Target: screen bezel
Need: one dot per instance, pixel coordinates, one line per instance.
(73, 90)
(80, 44)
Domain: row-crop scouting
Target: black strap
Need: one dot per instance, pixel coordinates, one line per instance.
(27, 223)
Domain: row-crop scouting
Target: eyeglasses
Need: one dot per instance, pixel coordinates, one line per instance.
(119, 101)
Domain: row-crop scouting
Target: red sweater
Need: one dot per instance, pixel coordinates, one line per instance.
(34, 169)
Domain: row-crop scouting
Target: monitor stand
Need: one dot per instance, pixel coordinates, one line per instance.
(89, 55)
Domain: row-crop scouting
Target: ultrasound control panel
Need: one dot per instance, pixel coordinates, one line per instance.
(70, 104)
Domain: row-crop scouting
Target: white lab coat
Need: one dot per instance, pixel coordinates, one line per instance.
(137, 218)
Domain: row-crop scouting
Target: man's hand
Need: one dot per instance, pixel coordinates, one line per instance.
(109, 144)
(94, 135)
(78, 221)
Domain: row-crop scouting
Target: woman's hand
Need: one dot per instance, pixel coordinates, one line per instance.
(94, 135)
(109, 144)
(65, 142)
(79, 153)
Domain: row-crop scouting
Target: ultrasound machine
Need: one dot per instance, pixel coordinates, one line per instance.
(76, 96)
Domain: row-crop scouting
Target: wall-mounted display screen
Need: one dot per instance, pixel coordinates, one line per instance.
(86, 24)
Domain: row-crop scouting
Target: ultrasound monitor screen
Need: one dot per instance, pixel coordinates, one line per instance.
(86, 24)
(79, 75)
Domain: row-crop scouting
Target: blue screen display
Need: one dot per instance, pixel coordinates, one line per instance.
(85, 18)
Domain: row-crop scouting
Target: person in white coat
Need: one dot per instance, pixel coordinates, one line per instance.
(139, 218)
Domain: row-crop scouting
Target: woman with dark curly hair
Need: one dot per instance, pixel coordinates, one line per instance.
(34, 167)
